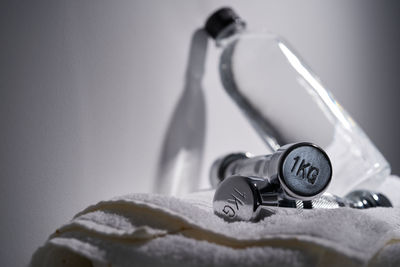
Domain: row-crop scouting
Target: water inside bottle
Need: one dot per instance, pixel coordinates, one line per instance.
(263, 70)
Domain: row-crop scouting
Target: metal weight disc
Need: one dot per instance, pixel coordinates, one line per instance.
(236, 198)
(305, 171)
(362, 199)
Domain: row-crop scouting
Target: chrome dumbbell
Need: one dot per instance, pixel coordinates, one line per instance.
(300, 171)
(241, 198)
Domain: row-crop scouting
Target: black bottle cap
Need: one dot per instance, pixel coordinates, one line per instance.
(224, 20)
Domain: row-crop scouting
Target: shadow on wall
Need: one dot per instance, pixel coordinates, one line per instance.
(180, 161)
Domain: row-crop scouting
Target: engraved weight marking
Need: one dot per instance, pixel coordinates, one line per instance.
(243, 195)
(302, 168)
(228, 209)
(235, 201)
(312, 173)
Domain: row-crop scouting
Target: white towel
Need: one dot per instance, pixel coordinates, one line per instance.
(156, 230)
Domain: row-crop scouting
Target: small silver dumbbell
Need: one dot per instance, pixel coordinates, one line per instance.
(300, 171)
(295, 176)
(241, 198)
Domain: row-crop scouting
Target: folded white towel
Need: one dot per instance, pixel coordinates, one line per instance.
(156, 230)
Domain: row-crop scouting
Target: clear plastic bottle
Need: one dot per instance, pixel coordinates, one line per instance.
(287, 103)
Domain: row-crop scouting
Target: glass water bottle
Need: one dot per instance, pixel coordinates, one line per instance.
(286, 102)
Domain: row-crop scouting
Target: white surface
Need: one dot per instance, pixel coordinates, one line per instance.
(153, 230)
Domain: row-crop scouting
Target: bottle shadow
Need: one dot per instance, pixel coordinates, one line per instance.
(179, 164)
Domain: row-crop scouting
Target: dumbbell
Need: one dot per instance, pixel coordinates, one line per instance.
(242, 198)
(300, 171)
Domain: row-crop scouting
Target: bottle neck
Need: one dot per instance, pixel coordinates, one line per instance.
(230, 33)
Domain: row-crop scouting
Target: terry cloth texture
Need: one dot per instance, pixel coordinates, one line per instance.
(156, 230)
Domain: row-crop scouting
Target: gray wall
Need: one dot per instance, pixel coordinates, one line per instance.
(87, 89)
